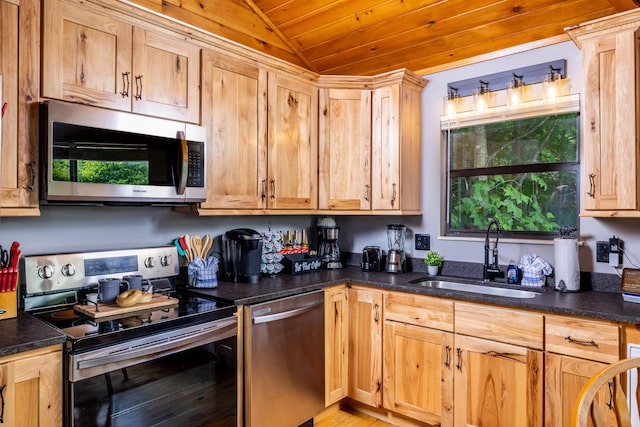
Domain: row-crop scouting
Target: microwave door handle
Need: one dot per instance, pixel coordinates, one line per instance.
(184, 163)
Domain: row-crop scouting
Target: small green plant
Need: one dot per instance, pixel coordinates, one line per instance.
(433, 258)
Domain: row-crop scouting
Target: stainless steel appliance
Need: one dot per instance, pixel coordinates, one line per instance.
(371, 258)
(242, 252)
(136, 342)
(94, 155)
(285, 371)
(396, 259)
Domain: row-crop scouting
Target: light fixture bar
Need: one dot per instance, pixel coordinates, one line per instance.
(531, 75)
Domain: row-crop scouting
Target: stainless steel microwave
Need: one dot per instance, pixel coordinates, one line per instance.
(98, 156)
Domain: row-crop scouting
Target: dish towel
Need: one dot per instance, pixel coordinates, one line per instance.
(203, 273)
(534, 269)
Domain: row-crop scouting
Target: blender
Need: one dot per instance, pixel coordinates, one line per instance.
(396, 261)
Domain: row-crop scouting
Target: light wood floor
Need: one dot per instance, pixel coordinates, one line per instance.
(347, 417)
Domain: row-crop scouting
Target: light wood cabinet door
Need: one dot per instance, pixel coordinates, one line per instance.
(32, 389)
(418, 372)
(86, 56)
(395, 161)
(564, 378)
(95, 57)
(365, 346)
(610, 116)
(166, 76)
(345, 149)
(336, 330)
(497, 384)
(292, 176)
(20, 70)
(236, 134)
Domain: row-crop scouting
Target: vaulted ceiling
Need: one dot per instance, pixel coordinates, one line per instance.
(367, 37)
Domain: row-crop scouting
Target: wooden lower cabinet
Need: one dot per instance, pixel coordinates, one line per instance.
(418, 372)
(336, 332)
(497, 384)
(32, 388)
(365, 346)
(564, 378)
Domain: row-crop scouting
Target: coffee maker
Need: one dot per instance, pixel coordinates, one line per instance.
(396, 261)
(329, 251)
(242, 252)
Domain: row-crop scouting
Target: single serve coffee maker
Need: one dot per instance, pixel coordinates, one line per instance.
(242, 252)
(396, 261)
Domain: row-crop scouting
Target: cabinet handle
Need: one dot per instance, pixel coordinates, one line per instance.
(593, 125)
(273, 189)
(125, 83)
(366, 192)
(610, 404)
(591, 185)
(138, 94)
(376, 313)
(459, 363)
(32, 186)
(581, 342)
(264, 189)
(2, 398)
(507, 356)
(393, 194)
(447, 356)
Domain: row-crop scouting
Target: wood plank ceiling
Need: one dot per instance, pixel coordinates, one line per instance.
(367, 37)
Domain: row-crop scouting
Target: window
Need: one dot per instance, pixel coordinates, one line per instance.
(523, 172)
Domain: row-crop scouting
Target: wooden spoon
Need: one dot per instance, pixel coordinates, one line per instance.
(207, 242)
(196, 246)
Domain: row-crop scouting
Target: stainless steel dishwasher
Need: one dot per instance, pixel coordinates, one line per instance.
(285, 372)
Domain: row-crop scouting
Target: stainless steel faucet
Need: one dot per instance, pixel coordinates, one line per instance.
(491, 271)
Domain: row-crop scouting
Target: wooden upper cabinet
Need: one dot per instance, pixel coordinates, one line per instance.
(395, 137)
(292, 175)
(20, 70)
(609, 119)
(94, 57)
(236, 134)
(345, 149)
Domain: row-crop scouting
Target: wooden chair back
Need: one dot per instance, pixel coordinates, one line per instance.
(588, 408)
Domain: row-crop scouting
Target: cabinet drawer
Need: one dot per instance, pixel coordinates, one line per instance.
(419, 310)
(585, 338)
(506, 325)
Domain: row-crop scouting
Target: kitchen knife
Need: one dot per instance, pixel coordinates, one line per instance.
(4, 274)
(14, 278)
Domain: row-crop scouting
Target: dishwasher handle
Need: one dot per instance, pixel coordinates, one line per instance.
(286, 314)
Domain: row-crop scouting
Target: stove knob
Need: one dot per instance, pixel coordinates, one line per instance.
(165, 260)
(150, 262)
(45, 271)
(68, 270)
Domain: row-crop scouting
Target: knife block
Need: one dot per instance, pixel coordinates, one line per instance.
(8, 305)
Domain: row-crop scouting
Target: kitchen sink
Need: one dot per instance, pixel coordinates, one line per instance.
(477, 289)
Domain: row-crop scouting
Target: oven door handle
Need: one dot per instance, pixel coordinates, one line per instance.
(157, 349)
(285, 314)
(183, 163)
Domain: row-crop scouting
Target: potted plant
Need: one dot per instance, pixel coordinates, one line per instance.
(433, 261)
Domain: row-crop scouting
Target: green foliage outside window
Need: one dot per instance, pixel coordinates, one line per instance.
(522, 172)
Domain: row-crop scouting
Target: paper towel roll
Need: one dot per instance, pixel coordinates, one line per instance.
(567, 268)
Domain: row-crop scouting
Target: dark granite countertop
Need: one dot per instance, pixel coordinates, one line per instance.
(601, 305)
(25, 332)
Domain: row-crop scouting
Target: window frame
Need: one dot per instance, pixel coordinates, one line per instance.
(473, 119)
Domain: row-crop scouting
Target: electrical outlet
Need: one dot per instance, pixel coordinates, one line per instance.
(423, 242)
(602, 251)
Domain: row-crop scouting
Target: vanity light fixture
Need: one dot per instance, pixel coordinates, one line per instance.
(480, 96)
(551, 85)
(515, 92)
(451, 102)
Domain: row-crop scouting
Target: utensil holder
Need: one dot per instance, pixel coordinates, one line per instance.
(203, 273)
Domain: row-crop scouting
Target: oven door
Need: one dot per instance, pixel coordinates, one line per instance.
(96, 155)
(173, 377)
